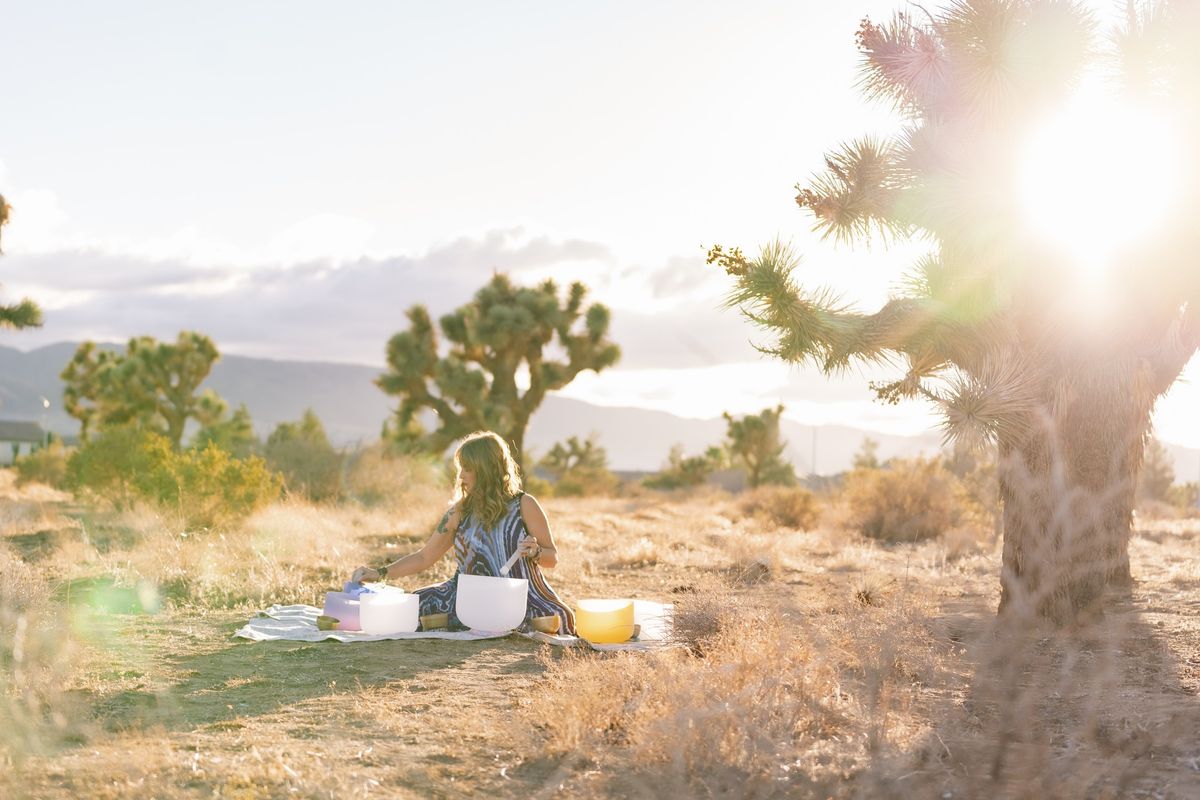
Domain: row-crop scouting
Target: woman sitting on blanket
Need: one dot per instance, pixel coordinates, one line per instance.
(489, 519)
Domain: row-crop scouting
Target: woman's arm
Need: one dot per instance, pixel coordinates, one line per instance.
(423, 559)
(538, 527)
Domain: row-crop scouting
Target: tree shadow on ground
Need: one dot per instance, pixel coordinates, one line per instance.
(243, 679)
(1105, 710)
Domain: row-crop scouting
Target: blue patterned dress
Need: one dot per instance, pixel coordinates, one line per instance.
(483, 551)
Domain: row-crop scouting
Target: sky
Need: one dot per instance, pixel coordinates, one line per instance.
(291, 177)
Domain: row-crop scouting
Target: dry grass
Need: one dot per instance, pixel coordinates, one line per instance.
(818, 664)
(764, 702)
(906, 501)
(786, 507)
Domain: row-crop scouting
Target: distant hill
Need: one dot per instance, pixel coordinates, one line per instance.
(353, 410)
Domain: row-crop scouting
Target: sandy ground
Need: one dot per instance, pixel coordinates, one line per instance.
(170, 705)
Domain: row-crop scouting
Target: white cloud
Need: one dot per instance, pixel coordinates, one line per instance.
(35, 222)
(681, 351)
(331, 236)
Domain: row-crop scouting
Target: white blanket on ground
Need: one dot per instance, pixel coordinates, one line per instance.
(298, 623)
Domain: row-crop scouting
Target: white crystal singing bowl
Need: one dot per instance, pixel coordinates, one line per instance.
(385, 613)
(491, 604)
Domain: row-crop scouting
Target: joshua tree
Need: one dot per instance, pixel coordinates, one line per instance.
(982, 326)
(578, 467)
(753, 442)
(24, 314)
(867, 456)
(153, 384)
(574, 455)
(233, 433)
(684, 471)
(474, 385)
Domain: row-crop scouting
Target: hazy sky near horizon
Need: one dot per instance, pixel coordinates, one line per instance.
(290, 177)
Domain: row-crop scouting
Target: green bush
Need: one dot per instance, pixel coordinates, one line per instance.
(301, 452)
(579, 468)
(908, 501)
(682, 472)
(46, 465)
(783, 507)
(206, 487)
(211, 488)
(118, 466)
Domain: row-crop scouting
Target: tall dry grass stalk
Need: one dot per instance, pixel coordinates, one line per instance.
(36, 658)
(763, 701)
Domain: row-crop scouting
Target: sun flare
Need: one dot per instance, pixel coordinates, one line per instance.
(1098, 177)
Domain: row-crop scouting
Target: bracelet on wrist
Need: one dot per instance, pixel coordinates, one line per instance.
(383, 571)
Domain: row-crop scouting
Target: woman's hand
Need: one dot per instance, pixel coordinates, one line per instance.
(528, 547)
(364, 574)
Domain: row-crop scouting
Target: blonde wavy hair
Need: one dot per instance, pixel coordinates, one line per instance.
(497, 478)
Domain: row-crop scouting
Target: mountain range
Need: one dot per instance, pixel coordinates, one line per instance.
(353, 411)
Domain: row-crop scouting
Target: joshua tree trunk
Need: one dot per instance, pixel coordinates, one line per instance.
(1068, 496)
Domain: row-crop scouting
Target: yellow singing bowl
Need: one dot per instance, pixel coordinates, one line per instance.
(604, 621)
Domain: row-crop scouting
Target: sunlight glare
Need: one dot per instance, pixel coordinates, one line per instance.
(1098, 177)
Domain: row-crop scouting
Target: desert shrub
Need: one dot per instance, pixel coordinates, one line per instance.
(782, 507)
(212, 488)
(760, 703)
(539, 487)
(382, 475)
(584, 482)
(233, 433)
(979, 478)
(301, 452)
(116, 466)
(207, 487)
(47, 465)
(682, 472)
(701, 615)
(578, 468)
(910, 500)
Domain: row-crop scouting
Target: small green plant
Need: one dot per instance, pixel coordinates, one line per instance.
(682, 472)
(578, 468)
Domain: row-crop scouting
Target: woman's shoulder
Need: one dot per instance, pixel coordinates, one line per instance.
(527, 501)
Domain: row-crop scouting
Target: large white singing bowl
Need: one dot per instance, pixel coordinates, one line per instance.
(491, 604)
(385, 613)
